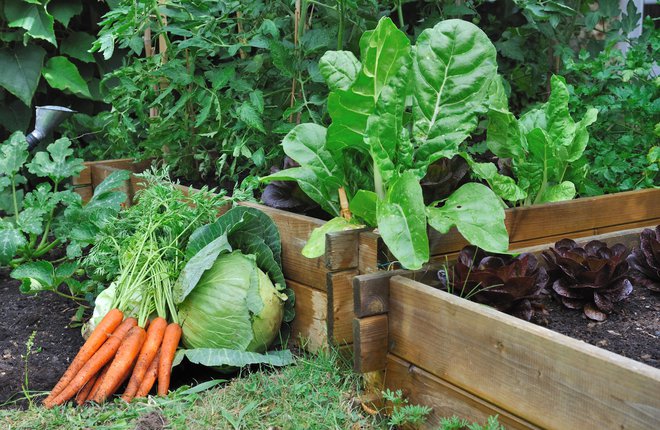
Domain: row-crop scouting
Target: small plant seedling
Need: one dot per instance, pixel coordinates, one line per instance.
(404, 413)
(29, 350)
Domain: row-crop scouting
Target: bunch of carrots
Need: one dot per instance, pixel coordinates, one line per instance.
(116, 349)
(137, 341)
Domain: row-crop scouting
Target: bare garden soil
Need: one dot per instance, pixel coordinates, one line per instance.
(632, 330)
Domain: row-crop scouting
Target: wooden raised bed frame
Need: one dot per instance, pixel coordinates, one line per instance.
(462, 358)
(324, 295)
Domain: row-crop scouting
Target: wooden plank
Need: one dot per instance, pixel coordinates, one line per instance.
(85, 177)
(341, 250)
(309, 328)
(370, 343)
(294, 231)
(340, 306)
(85, 192)
(446, 400)
(632, 225)
(369, 243)
(371, 293)
(526, 369)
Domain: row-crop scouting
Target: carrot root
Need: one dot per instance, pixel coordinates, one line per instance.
(149, 350)
(149, 377)
(168, 349)
(103, 330)
(94, 364)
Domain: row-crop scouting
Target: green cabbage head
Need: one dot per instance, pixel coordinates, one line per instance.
(234, 305)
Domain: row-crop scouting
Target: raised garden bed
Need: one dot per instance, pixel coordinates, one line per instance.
(467, 359)
(324, 294)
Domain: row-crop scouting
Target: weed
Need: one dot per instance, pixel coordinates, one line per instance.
(29, 350)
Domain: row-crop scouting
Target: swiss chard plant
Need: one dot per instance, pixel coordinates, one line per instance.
(394, 113)
(49, 215)
(545, 145)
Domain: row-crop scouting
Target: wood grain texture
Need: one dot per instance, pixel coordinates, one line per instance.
(309, 328)
(546, 378)
(340, 306)
(369, 243)
(86, 192)
(85, 176)
(445, 399)
(370, 343)
(341, 250)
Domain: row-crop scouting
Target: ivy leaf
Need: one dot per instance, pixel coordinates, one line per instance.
(32, 17)
(14, 154)
(62, 74)
(10, 240)
(78, 44)
(64, 10)
(57, 164)
(21, 70)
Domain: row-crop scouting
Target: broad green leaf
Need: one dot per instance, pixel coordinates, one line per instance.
(108, 193)
(581, 138)
(30, 220)
(312, 185)
(402, 222)
(14, 155)
(32, 17)
(57, 164)
(198, 264)
(350, 109)
(503, 186)
(561, 127)
(315, 246)
(21, 70)
(35, 276)
(453, 68)
(305, 144)
(497, 97)
(339, 69)
(62, 74)
(216, 357)
(540, 163)
(557, 193)
(505, 137)
(363, 205)
(64, 10)
(78, 44)
(15, 115)
(10, 240)
(392, 76)
(477, 214)
(66, 270)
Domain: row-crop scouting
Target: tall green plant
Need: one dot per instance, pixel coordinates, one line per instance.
(399, 110)
(44, 58)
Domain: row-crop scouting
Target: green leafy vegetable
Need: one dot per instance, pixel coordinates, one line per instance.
(379, 147)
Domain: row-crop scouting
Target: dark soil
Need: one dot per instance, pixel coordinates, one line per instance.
(55, 344)
(632, 330)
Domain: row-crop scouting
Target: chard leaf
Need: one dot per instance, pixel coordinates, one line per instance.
(339, 69)
(477, 214)
(305, 144)
(557, 193)
(454, 65)
(402, 222)
(363, 205)
(579, 143)
(506, 138)
(391, 71)
(315, 246)
(561, 127)
(312, 185)
(215, 357)
(503, 186)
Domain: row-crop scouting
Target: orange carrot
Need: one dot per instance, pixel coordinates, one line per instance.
(97, 384)
(149, 377)
(121, 365)
(147, 353)
(168, 348)
(94, 364)
(98, 337)
(81, 397)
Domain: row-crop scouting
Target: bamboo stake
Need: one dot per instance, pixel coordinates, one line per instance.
(345, 212)
(243, 40)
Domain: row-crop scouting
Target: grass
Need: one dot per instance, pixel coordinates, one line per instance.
(318, 392)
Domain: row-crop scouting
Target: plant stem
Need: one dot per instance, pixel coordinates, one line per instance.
(378, 184)
(399, 12)
(340, 30)
(13, 195)
(41, 251)
(44, 238)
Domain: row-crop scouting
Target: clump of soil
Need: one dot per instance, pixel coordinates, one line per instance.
(632, 330)
(55, 343)
(151, 421)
